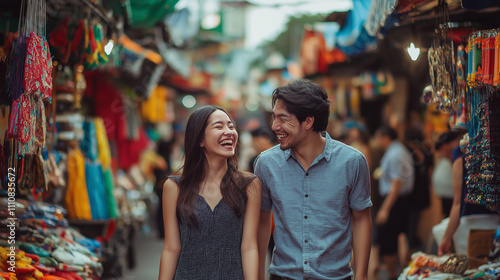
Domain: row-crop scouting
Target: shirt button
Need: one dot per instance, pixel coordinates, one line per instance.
(305, 217)
(306, 195)
(307, 174)
(305, 262)
(306, 241)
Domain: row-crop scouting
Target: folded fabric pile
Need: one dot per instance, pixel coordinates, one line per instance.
(432, 267)
(45, 246)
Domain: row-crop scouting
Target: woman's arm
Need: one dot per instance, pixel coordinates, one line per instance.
(249, 248)
(454, 220)
(172, 244)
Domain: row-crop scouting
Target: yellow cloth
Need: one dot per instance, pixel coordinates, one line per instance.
(76, 199)
(102, 143)
(155, 108)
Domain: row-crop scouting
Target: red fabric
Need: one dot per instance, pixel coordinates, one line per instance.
(109, 106)
(68, 275)
(108, 103)
(26, 124)
(129, 150)
(314, 55)
(38, 67)
(405, 6)
(32, 65)
(488, 59)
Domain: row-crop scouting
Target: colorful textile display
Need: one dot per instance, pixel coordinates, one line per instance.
(76, 200)
(47, 248)
(79, 43)
(482, 99)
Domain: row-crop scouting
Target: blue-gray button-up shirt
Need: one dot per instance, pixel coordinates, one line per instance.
(397, 163)
(312, 209)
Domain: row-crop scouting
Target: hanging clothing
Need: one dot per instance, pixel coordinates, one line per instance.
(103, 148)
(96, 190)
(154, 109)
(109, 185)
(76, 199)
(89, 142)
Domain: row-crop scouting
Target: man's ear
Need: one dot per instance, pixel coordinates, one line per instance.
(308, 122)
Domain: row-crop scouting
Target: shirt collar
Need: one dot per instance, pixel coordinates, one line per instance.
(327, 151)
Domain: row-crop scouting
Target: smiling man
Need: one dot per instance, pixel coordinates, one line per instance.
(318, 190)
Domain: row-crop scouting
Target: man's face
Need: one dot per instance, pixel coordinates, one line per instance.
(383, 141)
(289, 131)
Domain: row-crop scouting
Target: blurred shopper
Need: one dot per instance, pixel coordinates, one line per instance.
(441, 177)
(358, 139)
(420, 196)
(211, 211)
(262, 139)
(318, 190)
(463, 216)
(161, 173)
(396, 179)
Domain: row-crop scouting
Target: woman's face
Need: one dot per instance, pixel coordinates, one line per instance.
(220, 136)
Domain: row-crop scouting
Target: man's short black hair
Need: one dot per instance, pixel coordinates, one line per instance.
(386, 130)
(263, 132)
(304, 98)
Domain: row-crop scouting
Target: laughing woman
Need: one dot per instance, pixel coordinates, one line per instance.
(211, 212)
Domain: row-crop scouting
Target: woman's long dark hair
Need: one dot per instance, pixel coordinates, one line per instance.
(232, 189)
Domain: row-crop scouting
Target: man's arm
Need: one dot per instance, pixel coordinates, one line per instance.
(361, 242)
(263, 240)
(390, 199)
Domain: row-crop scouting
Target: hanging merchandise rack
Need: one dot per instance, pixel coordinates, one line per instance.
(443, 92)
(483, 101)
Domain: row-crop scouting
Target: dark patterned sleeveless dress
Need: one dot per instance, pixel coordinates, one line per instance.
(213, 250)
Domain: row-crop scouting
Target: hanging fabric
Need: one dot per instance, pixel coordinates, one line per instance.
(102, 143)
(96, 190)
(76, 200)
(496, 67)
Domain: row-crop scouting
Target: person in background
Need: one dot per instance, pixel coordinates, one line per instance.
(211, 211)
(396, 179)
(441, 177)
(161, 173)
(262, 139)
(318, 190)
(423, 161)
(358, 139)
(460, 208)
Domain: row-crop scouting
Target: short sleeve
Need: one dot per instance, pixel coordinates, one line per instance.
(393, 169)
(456, 154)
(260, 170)
(359, 196)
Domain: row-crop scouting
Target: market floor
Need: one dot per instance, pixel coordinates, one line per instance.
(148, 252)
